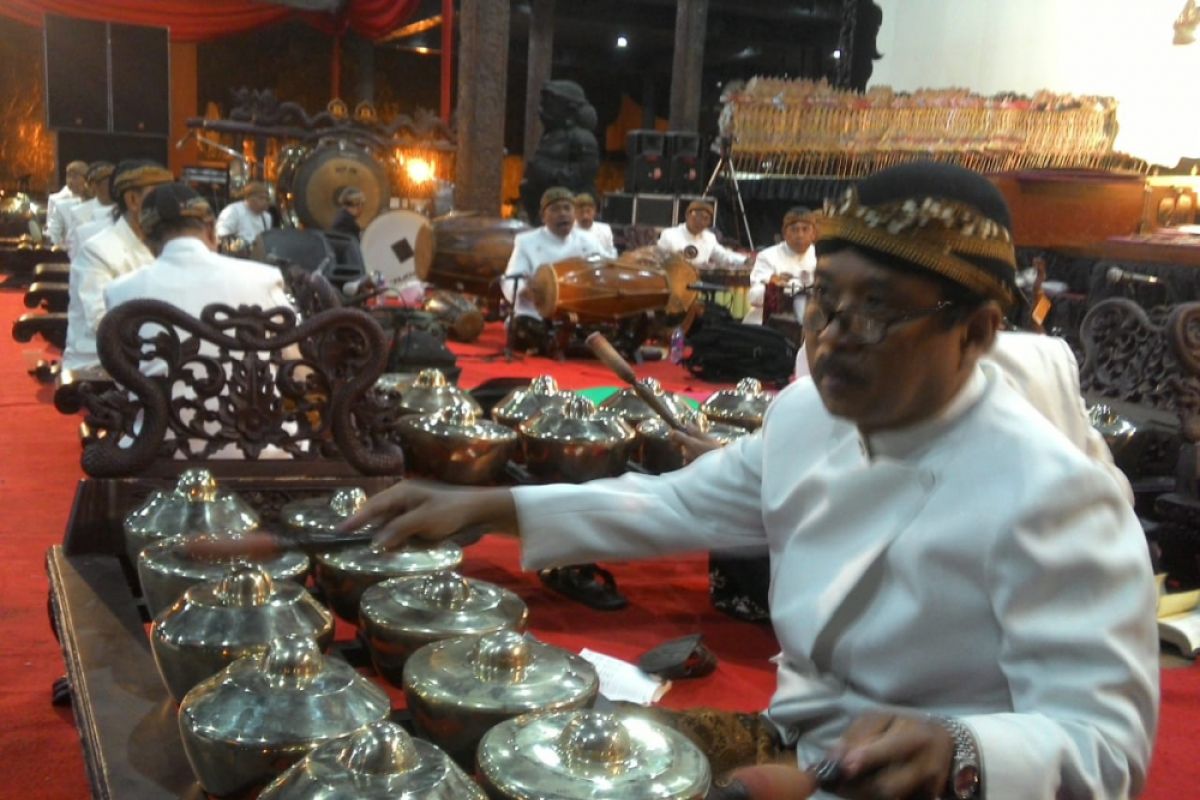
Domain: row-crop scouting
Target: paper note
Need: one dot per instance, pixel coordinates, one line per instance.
(620, 680)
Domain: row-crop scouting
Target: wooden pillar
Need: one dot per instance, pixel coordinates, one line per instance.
(185, 102)
(541, 57)
(482, 79)
(687, 68)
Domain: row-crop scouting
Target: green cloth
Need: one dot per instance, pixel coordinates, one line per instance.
(598, 394)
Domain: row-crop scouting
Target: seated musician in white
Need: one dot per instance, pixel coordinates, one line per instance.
(789, 264)
(963, 599)
(115, 251)
(556, 240)
(240, 223)
(100, 206)
(59, 203)
(585, 220)
(697, 243)
(178, 225)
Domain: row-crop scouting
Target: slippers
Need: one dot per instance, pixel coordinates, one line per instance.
(589, 584)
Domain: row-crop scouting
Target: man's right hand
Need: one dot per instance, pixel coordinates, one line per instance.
(413, 509)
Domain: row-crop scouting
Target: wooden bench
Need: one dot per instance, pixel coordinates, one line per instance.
(51, 326)
(48, 296)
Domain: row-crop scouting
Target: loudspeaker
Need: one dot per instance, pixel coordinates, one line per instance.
(647, 168)
(617, 208)
(88, 64)
(683, 159)
(114, 147)
(141, 75)
(654, 209)
(76, 73)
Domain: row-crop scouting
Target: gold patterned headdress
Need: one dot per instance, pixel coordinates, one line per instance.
(940, 231)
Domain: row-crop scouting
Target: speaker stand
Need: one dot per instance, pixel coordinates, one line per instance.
(724, 169)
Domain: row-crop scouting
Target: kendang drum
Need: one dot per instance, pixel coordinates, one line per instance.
(398, 245)
(310, 180)
(599, 290)
(471, 253)
(681, 273)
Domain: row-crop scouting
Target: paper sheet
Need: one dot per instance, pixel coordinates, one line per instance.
(620, 680)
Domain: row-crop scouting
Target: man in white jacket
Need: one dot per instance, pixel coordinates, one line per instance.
(103, 258)
(962, 597)
(788, 264)
(585, 220)
(697, 243)
(59, 203)
(100, 205)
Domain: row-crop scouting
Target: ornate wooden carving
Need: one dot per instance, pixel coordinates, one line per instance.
(1126, 355)
(238, 381)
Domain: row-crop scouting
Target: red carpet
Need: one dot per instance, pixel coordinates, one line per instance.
(40, 750)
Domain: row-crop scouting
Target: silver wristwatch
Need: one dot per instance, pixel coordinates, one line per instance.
(966, 775)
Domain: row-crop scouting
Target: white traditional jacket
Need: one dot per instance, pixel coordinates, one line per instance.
(236, 219)
(81, 233)
(975, 565)
(57, 208)
(702, 249)
(539, 246)
(602, 233)
(102, 259)
(188, 275)
(779, 260)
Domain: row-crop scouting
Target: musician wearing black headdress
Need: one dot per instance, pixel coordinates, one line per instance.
(963, 600)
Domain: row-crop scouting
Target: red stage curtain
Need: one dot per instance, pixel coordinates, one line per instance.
(198, 20)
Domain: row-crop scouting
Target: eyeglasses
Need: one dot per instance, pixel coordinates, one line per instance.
(861, 327)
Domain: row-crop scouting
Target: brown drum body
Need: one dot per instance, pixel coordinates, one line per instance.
(459, 315)
(598, 291)
(679, 271)
(471, 252)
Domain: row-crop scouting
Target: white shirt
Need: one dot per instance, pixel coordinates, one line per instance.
(779, 260)
(102, 259)
(539, 246)
(236, 219)
(189, 276)
(81, 233)
(974, 565)
(707, 251)
(602, 233)
(81, 214)
(58, 207)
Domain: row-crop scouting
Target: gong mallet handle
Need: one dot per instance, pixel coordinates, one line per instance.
(609, 356)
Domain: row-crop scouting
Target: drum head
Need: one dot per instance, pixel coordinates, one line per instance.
(398, 245)
(544, 285)
(680, 274)
(324, 173)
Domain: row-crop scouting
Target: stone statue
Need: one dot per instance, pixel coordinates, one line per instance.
(567, 154)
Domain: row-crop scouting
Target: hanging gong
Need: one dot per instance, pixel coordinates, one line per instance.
(330, 168)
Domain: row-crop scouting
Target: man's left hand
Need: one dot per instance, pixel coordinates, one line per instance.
(889, 755)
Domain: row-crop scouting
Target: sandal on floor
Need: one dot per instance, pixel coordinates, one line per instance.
(586, 583)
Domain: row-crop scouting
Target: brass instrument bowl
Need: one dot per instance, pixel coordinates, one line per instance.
(458, 689)
(575, 444)
(343, 575)
(167, 568)
(590, 755)
(379, 761)
(195, 506)
(455, 446)
(660, 454)
(627, 405)
(744, 405)
(399, 616)
(217, 622)
(521, 405)
(261, 714)
(431, 392)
